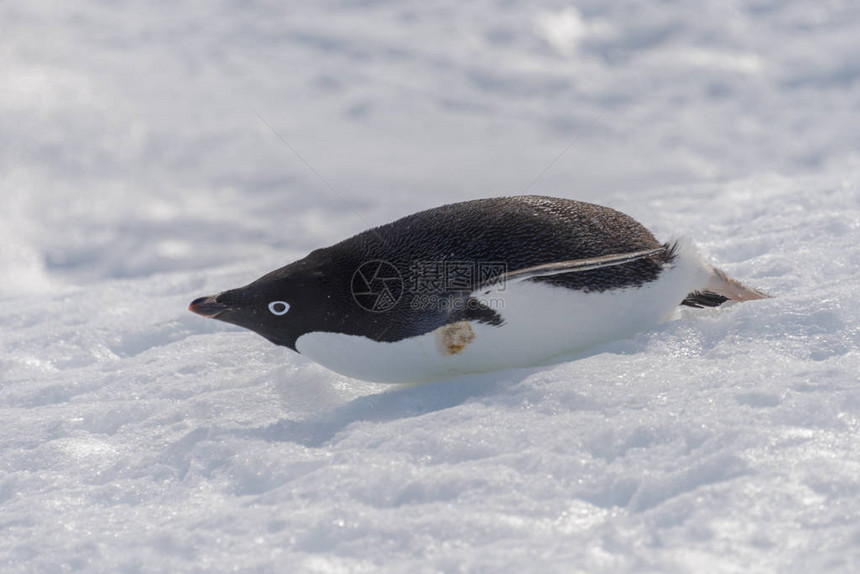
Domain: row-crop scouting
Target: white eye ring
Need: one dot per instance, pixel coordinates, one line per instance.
(279, 307)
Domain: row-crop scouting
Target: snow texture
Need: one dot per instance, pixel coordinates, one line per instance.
(140, 168)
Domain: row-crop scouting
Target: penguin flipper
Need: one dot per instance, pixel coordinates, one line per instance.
(571, 266)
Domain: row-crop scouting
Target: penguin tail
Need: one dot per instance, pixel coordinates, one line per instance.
(722, 288)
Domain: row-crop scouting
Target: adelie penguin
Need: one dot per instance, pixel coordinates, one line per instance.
(475, 286)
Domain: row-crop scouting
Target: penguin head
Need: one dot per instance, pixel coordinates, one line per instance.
(280, 306)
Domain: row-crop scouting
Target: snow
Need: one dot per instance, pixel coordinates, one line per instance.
(136, 175)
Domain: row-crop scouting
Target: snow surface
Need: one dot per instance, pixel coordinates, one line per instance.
(136, 173)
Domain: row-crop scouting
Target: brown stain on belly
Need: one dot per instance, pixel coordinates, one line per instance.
(452, 339)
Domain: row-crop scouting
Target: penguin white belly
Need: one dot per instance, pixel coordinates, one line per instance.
(541, 322)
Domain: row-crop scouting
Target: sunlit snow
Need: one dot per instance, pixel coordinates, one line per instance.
(155, 152)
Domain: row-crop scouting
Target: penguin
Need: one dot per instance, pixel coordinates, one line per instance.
(475, 286)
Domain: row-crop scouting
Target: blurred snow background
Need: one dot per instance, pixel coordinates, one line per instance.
(136, 173)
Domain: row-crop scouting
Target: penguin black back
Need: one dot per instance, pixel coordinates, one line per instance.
(517, 231)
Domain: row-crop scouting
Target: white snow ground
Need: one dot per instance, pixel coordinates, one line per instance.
(136, 175)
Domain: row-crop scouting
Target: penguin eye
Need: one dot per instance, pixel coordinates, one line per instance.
(279, 307)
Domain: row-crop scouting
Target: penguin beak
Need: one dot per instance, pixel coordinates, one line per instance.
(208, 306)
